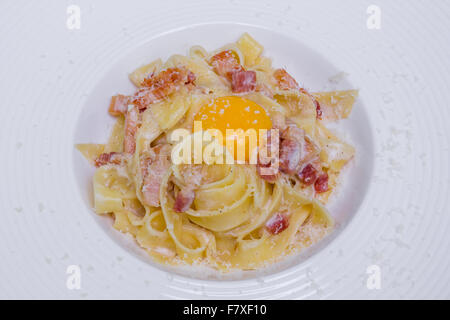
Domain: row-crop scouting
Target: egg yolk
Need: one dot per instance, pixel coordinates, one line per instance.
(233, 113)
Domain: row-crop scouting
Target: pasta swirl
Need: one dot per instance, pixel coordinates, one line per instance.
(219, 211)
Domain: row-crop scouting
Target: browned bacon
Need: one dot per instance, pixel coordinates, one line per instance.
(292, 132)
(291, 149)
(277, 223)
(267, 166)
(319, 112)
(297, 156)
(109, 158)
(225, 64)
(321, 184)
(169, 77)
(153, 168)
(131, 126)
(308, 174)
(157, 87)
(290, 153)
(184, 200)
(193, 176)
(286, 82)
(118, 105)
(144, 97)
(243, 81)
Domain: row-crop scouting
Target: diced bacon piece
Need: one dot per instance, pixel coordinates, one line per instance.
(109, 158)
(131, 126)
(145, 162)
(170, 77)
(291, 148)
(290, 153)
(308, 174)
(284, 80)
(243, 81)
(321, 184)
(319, 112)
(193, 176)
(292, 132)
(157, 88)
(268, 146)
(225, 64)
(153, 168)
(163, 149)
(152, 184)
(268, 162)
(184, 200)
(150, 191)
(118, 105)
(277, 223)
(144, 97)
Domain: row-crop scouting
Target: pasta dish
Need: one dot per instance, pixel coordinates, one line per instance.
(220, 159)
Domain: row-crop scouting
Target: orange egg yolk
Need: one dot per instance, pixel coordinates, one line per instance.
(233, 113)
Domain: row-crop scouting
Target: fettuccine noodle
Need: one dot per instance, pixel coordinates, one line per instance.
(227, 216)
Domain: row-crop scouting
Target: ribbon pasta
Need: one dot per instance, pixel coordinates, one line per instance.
(226, 225)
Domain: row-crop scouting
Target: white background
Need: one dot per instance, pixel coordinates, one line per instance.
(403, 71)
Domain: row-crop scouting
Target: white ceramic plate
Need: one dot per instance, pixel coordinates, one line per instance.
(94, 123)
(392, 209)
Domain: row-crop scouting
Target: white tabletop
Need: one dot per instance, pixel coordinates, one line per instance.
(401, 230)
